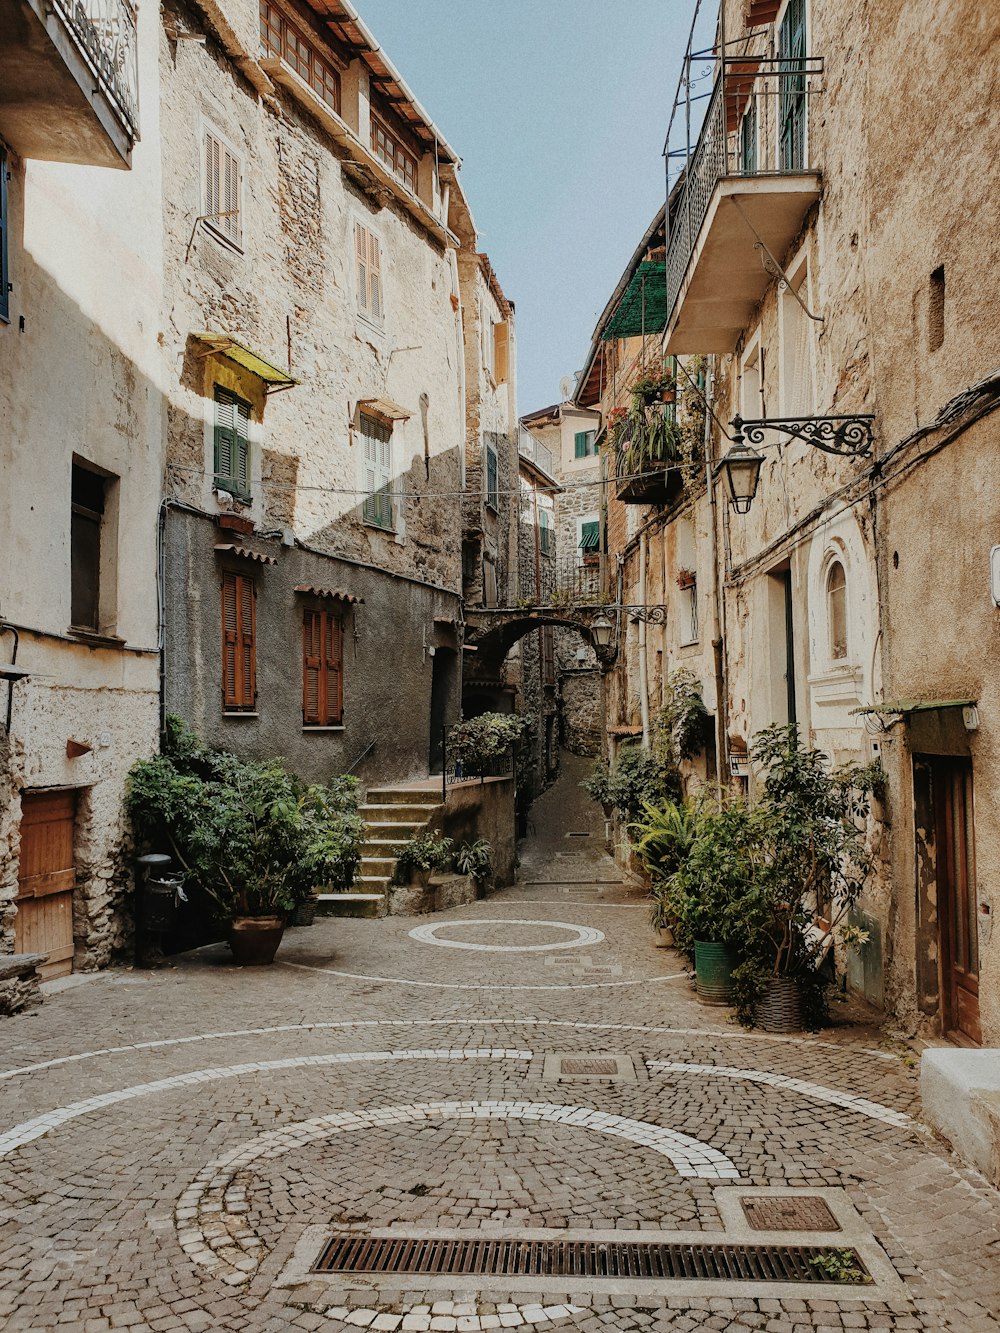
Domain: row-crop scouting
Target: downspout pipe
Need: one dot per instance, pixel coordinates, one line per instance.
(643, 669)
(718, 609)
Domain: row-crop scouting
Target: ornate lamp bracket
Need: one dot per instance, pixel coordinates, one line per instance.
(652, 615)
(846, 436)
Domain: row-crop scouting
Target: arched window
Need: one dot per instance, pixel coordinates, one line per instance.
(836, 610)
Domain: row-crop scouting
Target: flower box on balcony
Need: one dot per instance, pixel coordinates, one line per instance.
(685, 578)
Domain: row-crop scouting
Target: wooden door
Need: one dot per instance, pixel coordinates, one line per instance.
(46, 879)
(958, 924)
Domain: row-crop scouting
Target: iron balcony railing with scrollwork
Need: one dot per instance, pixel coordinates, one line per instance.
(106, 36)
(754, 126)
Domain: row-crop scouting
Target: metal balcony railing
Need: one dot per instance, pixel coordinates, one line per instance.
(105, 33)
(754, 126)
(532, 449)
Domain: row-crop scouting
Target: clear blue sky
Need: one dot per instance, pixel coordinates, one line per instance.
(558, 109)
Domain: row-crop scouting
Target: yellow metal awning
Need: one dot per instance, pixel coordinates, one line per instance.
(221, 344)
(385, 408)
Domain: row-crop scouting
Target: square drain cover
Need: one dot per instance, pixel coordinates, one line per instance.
(595, 1067)
(803, 1213)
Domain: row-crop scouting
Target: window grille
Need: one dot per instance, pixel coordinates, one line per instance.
(492, 479)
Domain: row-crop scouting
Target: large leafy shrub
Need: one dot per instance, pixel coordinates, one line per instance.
(251, 838)
(475, 742)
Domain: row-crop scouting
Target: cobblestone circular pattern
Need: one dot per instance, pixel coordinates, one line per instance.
(584, 935)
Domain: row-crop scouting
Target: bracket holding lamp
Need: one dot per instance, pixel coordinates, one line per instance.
(844, 436)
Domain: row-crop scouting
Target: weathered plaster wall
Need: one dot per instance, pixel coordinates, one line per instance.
(80, 379)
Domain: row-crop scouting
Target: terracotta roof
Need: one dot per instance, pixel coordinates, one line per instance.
(335, 594)
(624, 731)
(247, 554)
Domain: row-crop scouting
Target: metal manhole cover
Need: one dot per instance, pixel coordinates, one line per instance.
(430, 1256)
(594, 1067)
(803, 1213)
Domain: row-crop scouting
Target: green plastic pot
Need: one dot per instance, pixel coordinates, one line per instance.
(713, 967)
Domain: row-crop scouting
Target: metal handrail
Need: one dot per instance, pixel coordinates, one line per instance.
(363, 755)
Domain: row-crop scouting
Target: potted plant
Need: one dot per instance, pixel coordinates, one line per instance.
(686, 578)
(252, 840)
(663, 837)
(709, 892)
(475, 743)
(423, 856)
(812, 823)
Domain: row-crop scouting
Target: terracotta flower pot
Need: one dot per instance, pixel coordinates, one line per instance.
(254, 940)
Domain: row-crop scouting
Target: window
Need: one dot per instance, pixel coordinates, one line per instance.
(548, 655)
(369, 257)
(792, 87)
(4, 283)
(501, 353)
(748, 140)
(490, 594)
(222, 201)
(546, 543)
(689, 612)
(280, 40)
(590, 540)
(797, 390)
(751, 386)
(836, 610)
(232, 444)
(322, 669)
(239, 644)
(377, 508)
(492, 484)
(584, 443)
(86, 523)
(935, 310)
(387, 147)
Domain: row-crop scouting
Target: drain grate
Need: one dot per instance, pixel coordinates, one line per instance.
(593, 1067)
(587, 1259)
(803, 1213)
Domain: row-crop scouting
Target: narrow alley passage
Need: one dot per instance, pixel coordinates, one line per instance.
(180, 1146)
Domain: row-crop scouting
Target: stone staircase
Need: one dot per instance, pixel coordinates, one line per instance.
(392, 816)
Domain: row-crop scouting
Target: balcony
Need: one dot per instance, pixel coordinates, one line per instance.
(69, 80)
(747, 186)
(648, 460)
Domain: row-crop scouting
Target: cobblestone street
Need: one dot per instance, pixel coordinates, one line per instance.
(178, 1145)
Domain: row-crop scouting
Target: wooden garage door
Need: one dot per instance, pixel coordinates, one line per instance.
(46, 879)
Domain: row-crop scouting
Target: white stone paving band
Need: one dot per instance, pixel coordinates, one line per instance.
(350, 1023)
(583, 935)
(211, 1221)
(819, 1093)
(468, 985)
(19, 1135)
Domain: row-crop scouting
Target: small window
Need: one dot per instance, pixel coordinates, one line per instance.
(584, 443)
(387, 147)
(4, 280)
(546, 543)
(748, 140)
(368, 252)
(239, 644)
(232, 444)
(492, 483)
(548, 655)
(501, 353)
(590, 541)
(490, 594)
(222, 205)
(935, 310)
(86, 523)
(322, 669)
(377, 437)
(689, 612)
(836, 610)
(283, 41)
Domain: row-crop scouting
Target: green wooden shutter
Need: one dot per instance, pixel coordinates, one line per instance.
(232, 443)
(590, 535)
(580, 444)
(792, 111)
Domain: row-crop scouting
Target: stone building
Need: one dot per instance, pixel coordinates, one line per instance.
(327, 306)
(834, 296)
(81, 458)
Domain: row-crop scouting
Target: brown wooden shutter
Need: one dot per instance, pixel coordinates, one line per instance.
(334, 654)
(501, 353)
(312, 669)
(374, 276)
(361, 252)
(239, 643)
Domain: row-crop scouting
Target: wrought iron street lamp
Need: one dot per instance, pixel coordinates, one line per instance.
(601, 630)
(844, 436)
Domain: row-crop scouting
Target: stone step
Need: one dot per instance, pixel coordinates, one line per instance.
(395, 828)
(378, 865)
(401, 810)
(382, 847)
(351, 904)
(370, 883)
(403, 796)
